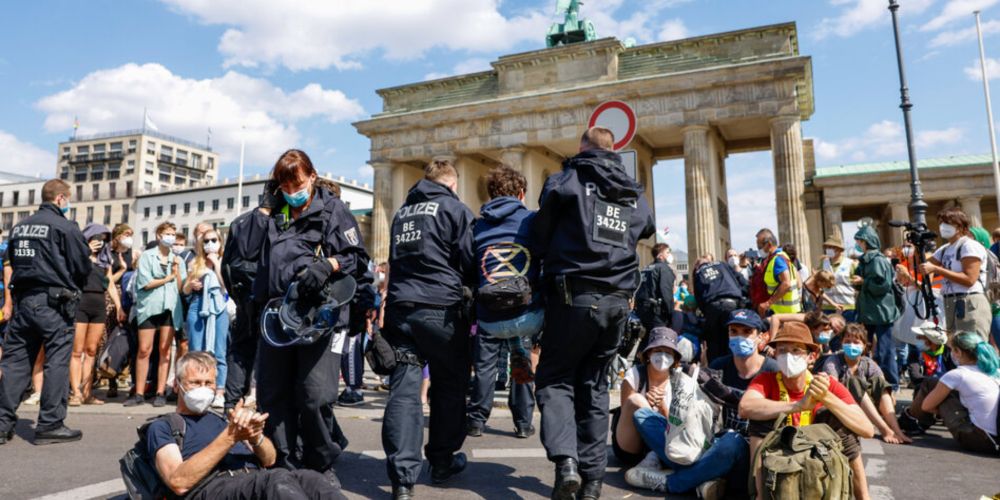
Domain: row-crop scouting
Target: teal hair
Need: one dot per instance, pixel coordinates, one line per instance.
(973, 345)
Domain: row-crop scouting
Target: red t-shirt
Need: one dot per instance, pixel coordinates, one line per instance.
(767, 385)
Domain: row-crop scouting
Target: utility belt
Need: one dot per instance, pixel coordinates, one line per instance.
(563, 288)
(61, 299)
(383, 358)
(726, 301)
(960, 295)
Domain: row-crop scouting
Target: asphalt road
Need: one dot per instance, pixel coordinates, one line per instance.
(501, 466)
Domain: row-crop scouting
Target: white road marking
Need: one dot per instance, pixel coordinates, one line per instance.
(875, 468)
(96, 490)
(509, 453)
(376, 454)
(872, 447)
(880, 492)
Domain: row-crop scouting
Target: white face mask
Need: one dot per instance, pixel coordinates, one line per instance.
(198, 400)
(661, 361)
(670, 258)
(734, 261)
(907, 252)
(212, 247)
(125, 242)
(831, 252)
(177, 249)
(947, 231)
(791, 365)
(380, 277)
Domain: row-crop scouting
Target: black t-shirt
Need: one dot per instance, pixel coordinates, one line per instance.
(732, 379)
(199, 431)
(97, 280)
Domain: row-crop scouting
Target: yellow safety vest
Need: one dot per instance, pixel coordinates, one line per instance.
(805, 416)
(789, 303)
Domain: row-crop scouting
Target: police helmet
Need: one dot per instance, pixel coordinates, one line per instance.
(302, 319)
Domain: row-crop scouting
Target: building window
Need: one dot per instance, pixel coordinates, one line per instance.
(79, 194)
(31, 197)
(130, 166)
(195, 160)
(201, 206)
(72, 214)
(178, 180)
(147, 187)
(173, 209)
(17, 197)
(128, 189)
(145, 237)
(64, 174)
(215, 205)
(125, 213)
(159, 210)
(145, 212)
(246, 201)
(98, 148)
(115, 146)
(149, 168)
(164, 177)
(230, 203)
(97, 172)
(113, 169)
(90, 215)
(187, 208)
(82, 150)
(8, 221)
(81, 174)
(107, 215)
(184, 231)
(95, 191)
(22, 215)
(113, 189)
(1, 198)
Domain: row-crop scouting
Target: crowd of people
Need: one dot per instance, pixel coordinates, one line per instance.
(263, 321)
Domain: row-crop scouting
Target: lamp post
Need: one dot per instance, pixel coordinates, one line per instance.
(918, 207)
(989, 110)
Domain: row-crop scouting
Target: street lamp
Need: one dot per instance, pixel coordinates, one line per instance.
(918, 207)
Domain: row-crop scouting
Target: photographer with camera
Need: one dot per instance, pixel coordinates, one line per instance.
(961, 263)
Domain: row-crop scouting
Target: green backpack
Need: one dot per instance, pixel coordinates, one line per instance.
(801, 463)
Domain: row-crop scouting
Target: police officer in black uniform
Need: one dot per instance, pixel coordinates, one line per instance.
(50, 261)
(654, 301)
(311, 237)
(718, 290)
(431, 257)
(590, 219)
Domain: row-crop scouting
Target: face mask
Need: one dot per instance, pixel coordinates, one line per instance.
(661, 361)
(954, 359)
(853, 351)
(212, 247)
(199, 400)
(742, 347)
(790, 365)
(734, 261)
(167, 240)
(381, 277)
(947, 231)
(125, 242)
(177, 249)
(670, 258)
(907, 252)
(830, 252)
(825, 336)
(298, 198)
(65, 210)
(858, 249)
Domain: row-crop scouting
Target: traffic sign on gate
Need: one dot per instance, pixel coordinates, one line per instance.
(617, 117)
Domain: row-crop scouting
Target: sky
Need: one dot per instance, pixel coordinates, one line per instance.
(298, 73)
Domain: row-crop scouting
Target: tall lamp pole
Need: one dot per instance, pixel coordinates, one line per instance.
(989, 110)
(918, 207)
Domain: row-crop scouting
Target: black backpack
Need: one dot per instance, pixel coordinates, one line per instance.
(139, 474)
(509, 294)
(647, 297)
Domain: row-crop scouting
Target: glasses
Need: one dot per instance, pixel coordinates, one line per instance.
(210, 240)
(794, 351)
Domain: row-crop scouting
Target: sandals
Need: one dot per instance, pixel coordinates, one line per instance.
(92, 400)
(75, 400)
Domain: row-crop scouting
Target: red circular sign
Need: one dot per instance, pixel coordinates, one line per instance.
(617, 117)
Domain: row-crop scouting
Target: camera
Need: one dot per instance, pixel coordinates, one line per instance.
(922, 238)
(754, 256)
(923, 241)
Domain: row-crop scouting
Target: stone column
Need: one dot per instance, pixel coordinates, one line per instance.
(789, 183)
(970, 205)
(897, 211)
(382, 210)
(701, 225)
(833, 215)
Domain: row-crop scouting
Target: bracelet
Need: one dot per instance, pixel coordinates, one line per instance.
(260, 441)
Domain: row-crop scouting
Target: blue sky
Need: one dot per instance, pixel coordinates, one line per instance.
(296, 74)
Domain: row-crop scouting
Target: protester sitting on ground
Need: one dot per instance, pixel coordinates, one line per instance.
(819, 325)
(223, 459)
(649, 412)
(650, 379)
(961, 262)
(864, 379)
(971, 414)
(796, 395)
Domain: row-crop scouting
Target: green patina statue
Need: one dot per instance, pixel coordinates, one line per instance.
(572, 29)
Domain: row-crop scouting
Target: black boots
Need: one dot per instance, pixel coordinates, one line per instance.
(567, 480)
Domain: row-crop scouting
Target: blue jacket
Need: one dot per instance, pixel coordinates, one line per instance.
(502, 238)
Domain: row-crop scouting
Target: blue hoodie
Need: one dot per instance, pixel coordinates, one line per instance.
(502, 239)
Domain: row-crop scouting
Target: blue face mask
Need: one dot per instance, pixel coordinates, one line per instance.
(857, 248)
(297, 199)
(65, 210)
(824, 337)
(853, 351)
(742, 347)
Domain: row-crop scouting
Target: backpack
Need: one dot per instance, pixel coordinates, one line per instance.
(508, 294)
(647, 297)
(139, 474)
(758, 287)
(991, 287)
(115, 354)
(801, 462)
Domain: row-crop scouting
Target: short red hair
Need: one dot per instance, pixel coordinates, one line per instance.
(291, 165)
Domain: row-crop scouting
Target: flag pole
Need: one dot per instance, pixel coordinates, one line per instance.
(239, 181)
(989, 111)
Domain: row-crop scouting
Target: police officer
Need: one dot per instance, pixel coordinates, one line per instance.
(590, 219)
(654, 301)
(718, 290)
(310, 237)
(431, 258)
(50, 260)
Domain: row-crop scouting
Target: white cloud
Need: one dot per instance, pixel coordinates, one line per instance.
(672, 29)
(931, 138)
(956, 37)
(113, 99)
(365, 172)
(825, 150)
(859, 15)
(307, 34)
(954, 10)
(883, 140)
(473, 65)
(24, 158)
(975, 71)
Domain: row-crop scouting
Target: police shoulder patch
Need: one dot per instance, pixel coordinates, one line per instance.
(352, 236)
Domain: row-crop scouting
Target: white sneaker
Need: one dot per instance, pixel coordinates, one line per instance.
(33, 399)
(650, 478)
(651, 461)
(711, 490)
(219, 401)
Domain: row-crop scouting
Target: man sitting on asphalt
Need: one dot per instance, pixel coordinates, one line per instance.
(223, 459)
(799, 395)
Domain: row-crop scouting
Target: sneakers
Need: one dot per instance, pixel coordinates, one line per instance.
(712, 490)
(219, 401)
(350, 397)
(134, 401)
(648, 474)
(159, 401)
(909, 424)
(33, 399)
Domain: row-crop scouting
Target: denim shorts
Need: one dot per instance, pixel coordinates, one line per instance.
(525, 325)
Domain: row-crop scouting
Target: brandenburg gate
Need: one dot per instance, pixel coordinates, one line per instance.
(699, 99)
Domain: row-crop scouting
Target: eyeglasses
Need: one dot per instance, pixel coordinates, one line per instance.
(210, 240)
(794, 351)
